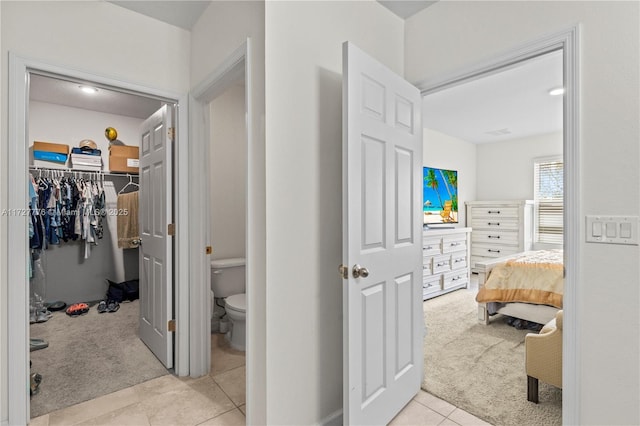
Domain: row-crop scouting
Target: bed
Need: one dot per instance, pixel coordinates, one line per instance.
(527, 285)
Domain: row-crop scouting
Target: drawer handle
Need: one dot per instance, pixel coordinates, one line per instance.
(494, 236)
(493, 251)
(441, 264)
(427, 248)
(455, 278)
(493, 223)
(494, 212)
(458, 260)
(455, 244)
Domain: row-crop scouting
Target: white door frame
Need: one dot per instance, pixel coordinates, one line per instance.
(18, 252)
(569, 41)
(238, 63)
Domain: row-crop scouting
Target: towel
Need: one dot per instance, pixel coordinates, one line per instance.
(128, 220)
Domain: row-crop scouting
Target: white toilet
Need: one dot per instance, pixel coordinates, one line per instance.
(228, 281)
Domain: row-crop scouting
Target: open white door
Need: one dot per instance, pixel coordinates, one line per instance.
(382, 240)
(155, 217)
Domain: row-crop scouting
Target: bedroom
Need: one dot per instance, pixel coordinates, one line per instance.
(491, 131)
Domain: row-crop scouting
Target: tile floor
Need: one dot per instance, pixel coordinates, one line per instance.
(217, 399)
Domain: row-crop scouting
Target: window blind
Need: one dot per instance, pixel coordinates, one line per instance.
(549, 191)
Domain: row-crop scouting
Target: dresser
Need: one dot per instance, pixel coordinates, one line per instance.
(500, 228)
(445, 261)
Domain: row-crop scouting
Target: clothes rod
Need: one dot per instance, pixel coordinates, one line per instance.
(77, 171)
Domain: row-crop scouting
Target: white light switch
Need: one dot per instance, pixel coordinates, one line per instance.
(612, 229)
(596, 230)
(625, 230)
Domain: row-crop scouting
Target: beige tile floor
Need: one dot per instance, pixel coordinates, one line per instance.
(217, 399)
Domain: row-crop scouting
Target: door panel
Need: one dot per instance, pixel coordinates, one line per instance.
(155, 214)
(382, 231)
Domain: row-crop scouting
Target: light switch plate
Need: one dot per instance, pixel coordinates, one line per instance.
(612, 229)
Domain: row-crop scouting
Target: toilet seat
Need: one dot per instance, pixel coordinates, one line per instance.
(237, 302)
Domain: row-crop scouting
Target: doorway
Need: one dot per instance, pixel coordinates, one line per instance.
(566, 41)
(18, 291)
(74, 262)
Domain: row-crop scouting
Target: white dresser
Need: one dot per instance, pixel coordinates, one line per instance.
(445, 260)
(500, 228)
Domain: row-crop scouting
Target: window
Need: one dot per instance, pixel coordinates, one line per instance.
(548, 194)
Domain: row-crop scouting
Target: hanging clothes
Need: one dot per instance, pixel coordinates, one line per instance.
(65, 209)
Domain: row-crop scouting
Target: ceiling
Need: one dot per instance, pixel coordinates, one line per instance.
(511, 104)
(185, 13)
(68, 93)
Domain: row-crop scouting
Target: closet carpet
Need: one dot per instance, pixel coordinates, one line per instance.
(89, 356)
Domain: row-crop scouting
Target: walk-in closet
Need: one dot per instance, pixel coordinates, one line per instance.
(83, 207)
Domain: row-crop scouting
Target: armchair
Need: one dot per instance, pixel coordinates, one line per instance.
(543, 357)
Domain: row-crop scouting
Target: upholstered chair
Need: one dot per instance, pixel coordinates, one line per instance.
(543, 357)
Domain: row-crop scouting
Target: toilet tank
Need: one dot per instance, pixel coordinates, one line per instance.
(228, 276)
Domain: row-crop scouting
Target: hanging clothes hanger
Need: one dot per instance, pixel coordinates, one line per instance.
(131, 183)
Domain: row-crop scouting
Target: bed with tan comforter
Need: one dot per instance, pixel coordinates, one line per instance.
(530, 281)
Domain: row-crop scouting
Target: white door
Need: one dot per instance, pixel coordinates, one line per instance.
(382, 234)
(155, 216)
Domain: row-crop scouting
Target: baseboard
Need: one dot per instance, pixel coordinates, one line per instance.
(333, 419)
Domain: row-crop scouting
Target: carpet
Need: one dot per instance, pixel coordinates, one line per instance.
(89, 356)
(479, 368)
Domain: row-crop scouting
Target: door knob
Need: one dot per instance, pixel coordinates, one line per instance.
(136, 242)
(359, 271)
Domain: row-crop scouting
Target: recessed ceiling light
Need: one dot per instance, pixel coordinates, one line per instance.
(556, 91)
(89, 90)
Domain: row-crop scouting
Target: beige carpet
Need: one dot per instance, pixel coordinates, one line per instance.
(89, 356)
(481, 368)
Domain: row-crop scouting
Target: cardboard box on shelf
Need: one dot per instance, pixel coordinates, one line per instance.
(51, 147)
(47, 151)
(123, 158)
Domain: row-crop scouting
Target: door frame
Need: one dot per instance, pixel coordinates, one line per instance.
(17, 257)
(568, 40)
(211, 86)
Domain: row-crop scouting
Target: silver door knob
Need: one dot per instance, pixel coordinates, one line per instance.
(137, 242)
(359, 271)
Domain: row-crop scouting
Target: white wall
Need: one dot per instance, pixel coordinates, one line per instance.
(222, 28)
(304, 195)
(228, 173)
(94, 36)
(68, 125)
(505, 169)
(451, 35)
(447, 152)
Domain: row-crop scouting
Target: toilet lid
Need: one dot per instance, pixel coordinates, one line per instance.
(237, 302)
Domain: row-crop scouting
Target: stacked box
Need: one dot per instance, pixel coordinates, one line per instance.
(123, 158)
(48, 151)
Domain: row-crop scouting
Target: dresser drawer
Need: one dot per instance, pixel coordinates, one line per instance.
(431, 285)
(431, 246)
(452, 243)
(454, 279)
(488, 250)
(498, 223)
(494, 212)
(459, 260)
(495, 237)
(441, 263)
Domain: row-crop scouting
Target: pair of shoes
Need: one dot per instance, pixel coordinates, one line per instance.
(34, 386)
(108, 306)
(42, 316)
(35, 344)
(77, 309)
